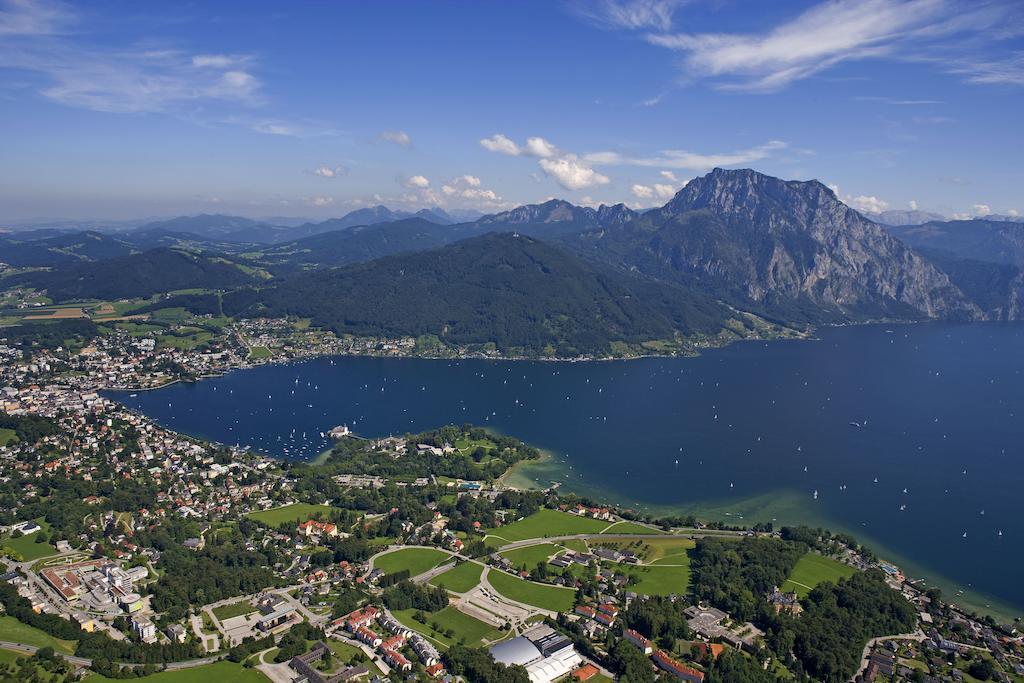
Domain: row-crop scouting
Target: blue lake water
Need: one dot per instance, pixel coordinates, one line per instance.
(940, 410)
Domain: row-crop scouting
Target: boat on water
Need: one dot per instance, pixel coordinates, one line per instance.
(858, 425)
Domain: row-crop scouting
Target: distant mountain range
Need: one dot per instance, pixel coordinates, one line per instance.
(733, 240)
(904, 217)
(980, 239)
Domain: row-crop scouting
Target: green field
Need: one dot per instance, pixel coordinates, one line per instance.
(631, 528)
(259, 352)
(811, 570)
(27, 547)
(529, 556)
(416, 560)
(222, 672)
(296, 512)
(654, 550)
(10, 656)
(465, 629)
(545, 523)
(657, 580)
(551, 598)
(235, 609)
(13, 631)
(460, 578)
(7, 436)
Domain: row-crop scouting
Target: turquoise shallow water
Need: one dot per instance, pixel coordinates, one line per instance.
(934, 412)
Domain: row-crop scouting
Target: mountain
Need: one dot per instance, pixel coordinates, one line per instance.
(215, 226)
(135, 275)
(980, 239)
(788, 249)
(359, 243)
(33, 250)
(555, 218)
(521, 294)
(901, 217)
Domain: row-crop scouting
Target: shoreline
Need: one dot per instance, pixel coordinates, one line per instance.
(782, 508)
(550, 469)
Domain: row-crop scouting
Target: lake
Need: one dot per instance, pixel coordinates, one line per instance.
(909, 436)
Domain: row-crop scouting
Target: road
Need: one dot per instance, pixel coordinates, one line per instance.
(84, 662)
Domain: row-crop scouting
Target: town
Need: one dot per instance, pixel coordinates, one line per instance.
(130, 548)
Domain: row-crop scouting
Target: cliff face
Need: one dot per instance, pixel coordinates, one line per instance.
(783, 245)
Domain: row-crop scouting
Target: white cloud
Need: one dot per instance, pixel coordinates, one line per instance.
(629, 14)
(981, 209)
(31, 18)
(670, 176)
(534, 147)
(643, 191)
(692, 161)
(399, 137)
(218, 61)
(571, 173)
(324, 171)
(320, 201)
(114, 78)
(274, 128)
(566, 168)
(867, 204)
(912, 204)
(863, 203)
(539, 147)
(468, 187)
(500, 144)
(665, 191)
(417, 181)
(1013, 212)
(836, 31)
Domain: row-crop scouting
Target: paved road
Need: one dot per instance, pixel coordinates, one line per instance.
(84, 662)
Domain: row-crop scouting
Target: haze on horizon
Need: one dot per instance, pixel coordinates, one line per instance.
(115, 110)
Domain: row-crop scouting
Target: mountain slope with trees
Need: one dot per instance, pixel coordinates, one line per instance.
(516, 292)
(136, 275)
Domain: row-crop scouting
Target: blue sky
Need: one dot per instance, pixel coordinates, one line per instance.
(132, 109)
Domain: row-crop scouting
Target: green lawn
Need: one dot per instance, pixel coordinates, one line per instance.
(460, 578)
(575, 544)
(235, 609)
(7, 436)
(529, 556)
(222, 672)
(654, 550)
(259, 352)
(416, 560)
(546, 522)
(13, 631)
(10, 656)
(27, 547)
(465, 629)
(631, 528)
(811, 570)
(551, 598)
(296, 512)
(658, 580)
